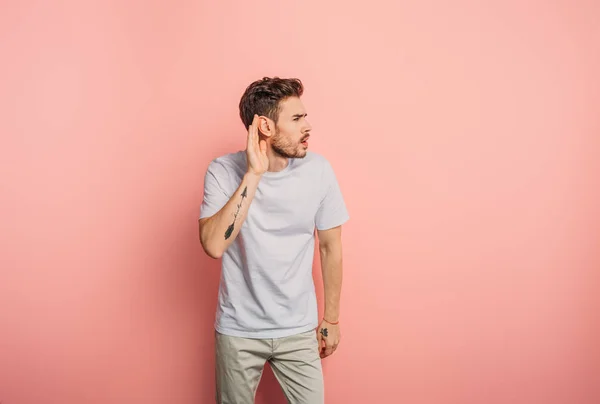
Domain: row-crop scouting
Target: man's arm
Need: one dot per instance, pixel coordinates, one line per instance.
(218, 231)
(330, 248)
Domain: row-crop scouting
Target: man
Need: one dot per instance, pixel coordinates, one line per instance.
(260, 210)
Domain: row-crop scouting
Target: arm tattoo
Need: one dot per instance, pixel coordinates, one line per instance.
(229, 230)
(324, 332)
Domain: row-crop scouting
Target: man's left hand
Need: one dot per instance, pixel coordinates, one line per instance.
(328, 336)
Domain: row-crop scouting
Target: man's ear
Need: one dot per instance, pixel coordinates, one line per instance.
(266, 126)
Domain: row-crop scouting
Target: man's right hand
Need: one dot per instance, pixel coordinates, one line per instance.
(218, 231)
(256, 150)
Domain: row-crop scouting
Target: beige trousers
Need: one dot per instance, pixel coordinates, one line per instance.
(295, 362)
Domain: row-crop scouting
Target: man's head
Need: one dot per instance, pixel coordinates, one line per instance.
(282, 115)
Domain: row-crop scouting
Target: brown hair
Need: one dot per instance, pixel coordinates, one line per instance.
(262, 97)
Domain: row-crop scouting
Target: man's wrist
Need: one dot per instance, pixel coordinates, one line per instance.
(336, 322)
(252, 178)
(331, 318)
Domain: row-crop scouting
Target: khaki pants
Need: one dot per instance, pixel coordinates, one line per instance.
(295, 362)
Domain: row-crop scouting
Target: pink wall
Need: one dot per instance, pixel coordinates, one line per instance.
(465, 138)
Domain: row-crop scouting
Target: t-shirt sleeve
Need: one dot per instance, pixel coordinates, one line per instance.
(332, 210)
(215, 191)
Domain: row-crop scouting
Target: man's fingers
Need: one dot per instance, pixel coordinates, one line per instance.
(328, 350)
(325, 348)
(252, 131)
(250, 139)
(256, 133)
(255, 125)
(252, 143)
(255, 138)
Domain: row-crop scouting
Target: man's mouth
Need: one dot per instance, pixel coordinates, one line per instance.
(304, 140)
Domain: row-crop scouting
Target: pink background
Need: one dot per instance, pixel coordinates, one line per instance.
(465, 138)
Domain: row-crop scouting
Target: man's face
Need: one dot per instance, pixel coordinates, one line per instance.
(292, 130)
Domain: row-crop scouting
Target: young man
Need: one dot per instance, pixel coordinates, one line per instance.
(260, 210)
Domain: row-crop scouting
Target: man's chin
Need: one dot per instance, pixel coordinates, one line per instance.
(301, 154)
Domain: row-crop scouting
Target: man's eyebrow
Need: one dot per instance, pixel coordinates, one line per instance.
(299, 115)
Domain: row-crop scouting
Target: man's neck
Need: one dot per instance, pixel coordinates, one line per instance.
(276, 161)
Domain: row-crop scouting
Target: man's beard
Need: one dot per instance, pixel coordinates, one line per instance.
(286, 148)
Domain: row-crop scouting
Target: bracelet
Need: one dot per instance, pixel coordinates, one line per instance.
(336, 323)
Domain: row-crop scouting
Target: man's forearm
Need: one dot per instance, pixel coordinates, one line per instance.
(331, 265)
(219, 231)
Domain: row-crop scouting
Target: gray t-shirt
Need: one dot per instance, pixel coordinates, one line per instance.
(266, 288)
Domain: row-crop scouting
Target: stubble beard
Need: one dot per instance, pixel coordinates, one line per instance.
(286, 148)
